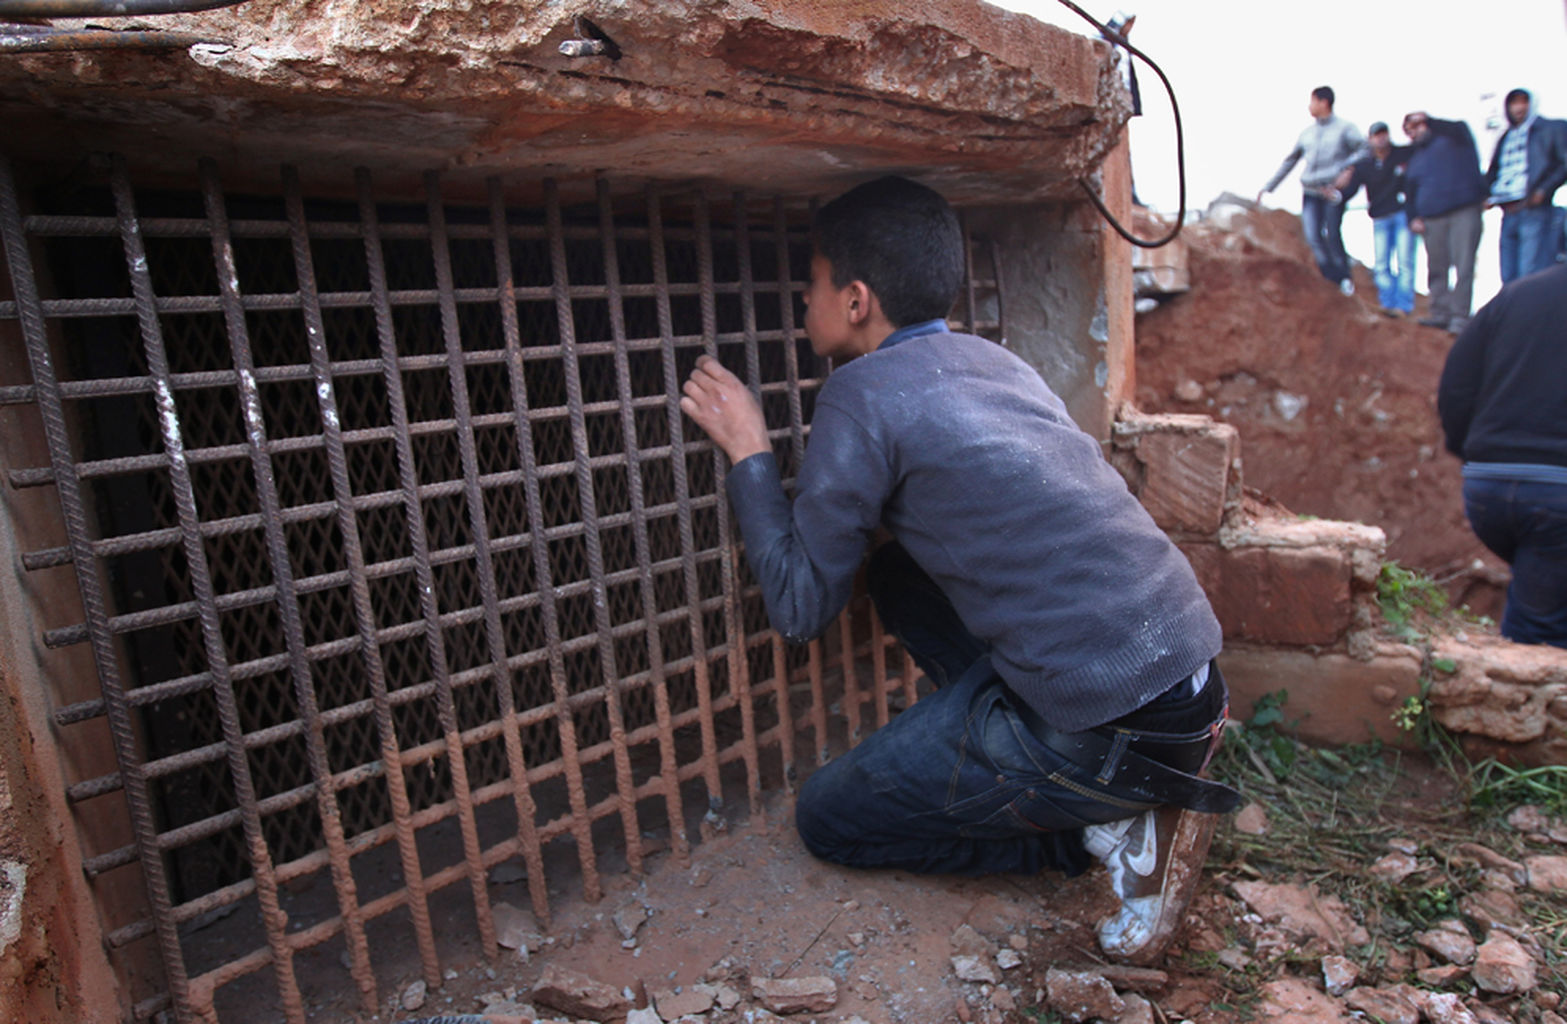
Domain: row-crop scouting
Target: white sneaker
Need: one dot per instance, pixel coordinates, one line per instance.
(1347, 286)
(1155, 862)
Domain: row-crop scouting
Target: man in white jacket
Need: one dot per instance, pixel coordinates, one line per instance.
(1328, 145)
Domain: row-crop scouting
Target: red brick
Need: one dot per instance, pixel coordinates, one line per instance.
(1333, 698)
(1186, 477)
(1294, 596)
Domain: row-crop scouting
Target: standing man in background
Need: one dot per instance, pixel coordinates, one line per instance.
(1527, 167)
(1381, 172)
(1444, 193)
(1328, 145)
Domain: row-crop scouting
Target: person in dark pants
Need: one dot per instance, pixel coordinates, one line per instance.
(1328, 145)
(1069, 641)
(1527, 167)
(1444, 193)
(1503, 403)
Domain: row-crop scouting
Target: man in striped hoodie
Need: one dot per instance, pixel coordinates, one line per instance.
(1327, 145)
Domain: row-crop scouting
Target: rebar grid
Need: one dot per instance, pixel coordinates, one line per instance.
(444, 578)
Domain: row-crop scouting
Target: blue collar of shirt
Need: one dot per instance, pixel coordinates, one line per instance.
(908, 331)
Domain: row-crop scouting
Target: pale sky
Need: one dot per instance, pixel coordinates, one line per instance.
(1243, 71)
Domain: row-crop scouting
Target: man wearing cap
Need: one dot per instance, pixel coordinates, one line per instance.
(1328, 145)
(1444, 192)
(1381, 174)
(1527, 167)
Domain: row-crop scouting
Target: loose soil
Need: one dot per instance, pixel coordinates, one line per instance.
(1335, 403)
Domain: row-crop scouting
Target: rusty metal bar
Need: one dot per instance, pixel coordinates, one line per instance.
(674, 805)
(970, 314)
(274, 922)
(739, 664)
(42, 39)
(693, 589)
(91, 586)
(587, 501)
(879, 668)
(852, 696)
(543, 582)
(292, 615)
(1001, 294)
(478, 526)
(364, 618)
(522, 796)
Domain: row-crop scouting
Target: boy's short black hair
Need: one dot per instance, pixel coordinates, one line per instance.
(1325, 94)
(902, 239)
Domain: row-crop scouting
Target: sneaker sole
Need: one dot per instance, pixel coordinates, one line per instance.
(1188, 854)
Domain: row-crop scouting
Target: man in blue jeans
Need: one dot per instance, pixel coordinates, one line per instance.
(1527, 167)
(1328, 145)
(1381, 173)
(1503, 403)
(1069, 641)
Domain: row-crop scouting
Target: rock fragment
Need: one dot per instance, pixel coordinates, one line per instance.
(1339, 974)
(973, 968)
(1138, 1010)
(578, 995)
(1503, 966)
(1385, 1004)
(690, 1001)
(1395, 867)
(628, 919)
(1252, 820)
(514, 928)
(1082, 995)
(1293, 1000)
(1449, 940)
(414, 995)
(1546, 873)
(795, 995)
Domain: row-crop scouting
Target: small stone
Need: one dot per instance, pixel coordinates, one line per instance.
(645, 1015)
(1003, 999)
(508, 872)
(1485, 1015)
(414, 995)
(850, 906)
(1491, 907)
(1234, 957)
(1545, 999)
(628, 919)
(1008, 959)
(1441, 976)
(1293, 999)
(973, 968)
(1551, 1017)
(514, 928)
(579, 995)
(1494, 879)
(1082, 995)
(1138, 1010)
(1503, 966)
(700, 876)
(1449, 940)
(1252, 820)
(1018, 942)
(795, 995)
(1403, 844)
(1528, 818)
(1338, 974)
(727, 996)
(1395, 867)
(450, 974)
(1546, 874)
(1446, 1008)
(1382, 1004)
(1485, 857)
(968, 942)
(1187, 390)
(856, 938)
(690, 1001)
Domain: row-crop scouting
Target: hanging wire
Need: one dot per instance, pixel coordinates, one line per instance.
(1180, 141)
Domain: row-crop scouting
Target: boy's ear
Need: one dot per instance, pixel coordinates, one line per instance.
(861, 302)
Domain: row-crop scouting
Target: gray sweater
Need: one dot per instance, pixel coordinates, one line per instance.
(1328, 146)
(967, 457)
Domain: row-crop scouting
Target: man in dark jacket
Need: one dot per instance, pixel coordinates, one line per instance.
(1527, 167)
(1381, 173)
(1445, 195)
(1504, 412)
(1068, 638)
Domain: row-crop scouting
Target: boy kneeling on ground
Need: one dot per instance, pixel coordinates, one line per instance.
(1068, 639)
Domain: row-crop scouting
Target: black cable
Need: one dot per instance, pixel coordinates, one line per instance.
(1180, 140)
(105, 8)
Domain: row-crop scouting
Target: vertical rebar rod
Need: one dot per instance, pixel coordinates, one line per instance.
(818, 699)
(970, 314)
(516, 760)
(293, 618)
(122, 727)
(587, 501)
(359, 592)
(852, 696)
(1001, 293)
(879, 667)
(274, 921)
(668, 763)
(549, 612)
(424, 575)
(910, 671)
(677, 465)
(787, 330)
(473, 495)
(753, 378)
(734, 629)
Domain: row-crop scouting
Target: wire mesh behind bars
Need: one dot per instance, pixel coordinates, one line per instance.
(397, 558)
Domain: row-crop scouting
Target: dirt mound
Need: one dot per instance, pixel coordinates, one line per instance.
(1335, 403)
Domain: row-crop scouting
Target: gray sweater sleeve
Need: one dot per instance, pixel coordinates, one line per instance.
(1284, 168)
(805, 557)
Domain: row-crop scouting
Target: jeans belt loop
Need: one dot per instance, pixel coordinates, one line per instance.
(1112, 761)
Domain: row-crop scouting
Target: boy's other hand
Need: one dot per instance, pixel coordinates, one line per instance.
(724, 407)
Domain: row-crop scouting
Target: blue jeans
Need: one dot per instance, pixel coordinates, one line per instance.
(1531, 236)
(1525, 523)
(957, 783)
(1320, 220)
(1395, 244)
